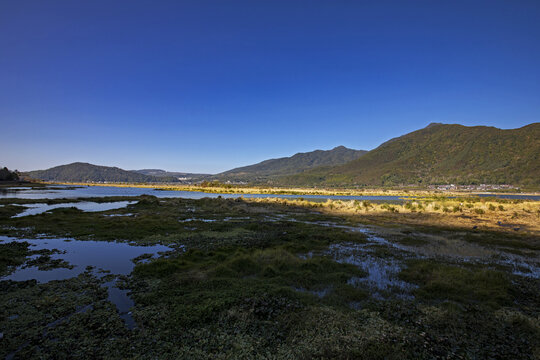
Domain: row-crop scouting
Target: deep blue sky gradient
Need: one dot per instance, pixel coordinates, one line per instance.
(205, 86)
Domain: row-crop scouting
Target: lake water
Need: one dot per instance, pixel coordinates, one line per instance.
(34, 209)
(65, 191)
(511, 196)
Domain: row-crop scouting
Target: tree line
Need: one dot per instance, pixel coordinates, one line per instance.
(6, 175)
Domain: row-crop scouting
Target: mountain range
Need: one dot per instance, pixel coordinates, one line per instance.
(295, 164)
(436, 154)
(441, 154)
(84, 172)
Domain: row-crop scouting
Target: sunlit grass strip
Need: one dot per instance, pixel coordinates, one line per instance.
(485, 213)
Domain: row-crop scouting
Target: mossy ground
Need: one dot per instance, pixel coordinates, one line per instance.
(239, 286)
(14, 254)
(11, 255)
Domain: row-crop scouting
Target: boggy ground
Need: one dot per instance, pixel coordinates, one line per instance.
(254, 279)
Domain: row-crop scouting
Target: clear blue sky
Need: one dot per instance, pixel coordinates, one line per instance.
(205, 86)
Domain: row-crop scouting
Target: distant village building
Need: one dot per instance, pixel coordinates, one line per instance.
(481, 187)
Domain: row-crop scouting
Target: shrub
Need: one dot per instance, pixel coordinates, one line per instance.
(389, 208)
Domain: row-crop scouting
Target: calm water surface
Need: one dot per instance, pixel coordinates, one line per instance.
(65, 191)
(511, 196)
(34, 209)
(111, 257)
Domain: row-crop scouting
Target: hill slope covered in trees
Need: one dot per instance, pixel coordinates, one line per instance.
(439, 154)
(292, 165)
(84, 172)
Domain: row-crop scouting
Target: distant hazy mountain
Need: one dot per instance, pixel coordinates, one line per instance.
(152, 172)
(83, 172)
(163, 173)
(292, 165)
(441, 153)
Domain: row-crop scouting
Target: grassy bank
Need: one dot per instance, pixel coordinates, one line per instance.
(500, 215)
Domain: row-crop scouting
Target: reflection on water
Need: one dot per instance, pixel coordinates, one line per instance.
(34, 209)
(382, 273)
(111, 257)
(123, 302)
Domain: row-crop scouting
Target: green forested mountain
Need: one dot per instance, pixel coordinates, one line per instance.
(83, 172)
(439, 154)
(293, 165)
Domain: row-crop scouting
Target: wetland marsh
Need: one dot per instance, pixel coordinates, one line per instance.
(172, 277)
(270, 180)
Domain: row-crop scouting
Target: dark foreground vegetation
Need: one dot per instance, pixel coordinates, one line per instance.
(267, 280)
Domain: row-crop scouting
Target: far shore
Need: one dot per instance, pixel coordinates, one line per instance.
(234, 189)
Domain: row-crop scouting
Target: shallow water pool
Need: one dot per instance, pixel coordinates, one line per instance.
(105, 257)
